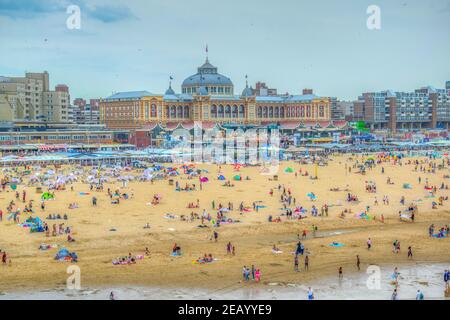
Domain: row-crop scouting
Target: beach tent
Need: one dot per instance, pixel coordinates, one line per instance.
(289, 170)
(237, 178)
(204, 179)
(221, 177)
(13, 186)
(62, 254)
(47, 196)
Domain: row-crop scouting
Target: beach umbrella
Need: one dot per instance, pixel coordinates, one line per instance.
(13, 186)
(237, 178)
(204, 179)
(221, 177)
(289, 169)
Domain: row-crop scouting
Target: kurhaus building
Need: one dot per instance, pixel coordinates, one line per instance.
(209, 96)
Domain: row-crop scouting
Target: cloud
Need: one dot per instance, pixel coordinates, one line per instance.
(27, 8)
(32, 9)
(107, 14)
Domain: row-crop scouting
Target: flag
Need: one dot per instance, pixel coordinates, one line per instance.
(206, 48)
(171, 78)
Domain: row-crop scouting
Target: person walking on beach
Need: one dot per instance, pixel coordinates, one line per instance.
(310, 294)
(257, 275)
(306, 263)
(111, 296)
(369, 244)
(340, 272)
(358, 263)
(447, 280)
(410, 254)
(4, 258)
(419, 295)
(296, 263)
(394, 295)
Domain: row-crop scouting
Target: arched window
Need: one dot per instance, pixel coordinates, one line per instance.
(221, 111)
(153, 114)
(179, 112)
(321, 111)
(227, 111)
(282, 115)
(146, 110)
(277, 112)
(266, 111)
(241, 111)
(302, 111)
(297, 112)
(235, 111)
(167, 112)
(259, 112)
(308, 111)
(173, 112)
(213, 111)
(270, 112)
(186, 112)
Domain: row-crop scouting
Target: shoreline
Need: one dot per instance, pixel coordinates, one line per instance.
(426, 276)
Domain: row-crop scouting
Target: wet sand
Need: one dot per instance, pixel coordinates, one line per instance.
(424, 277)
(96, 246)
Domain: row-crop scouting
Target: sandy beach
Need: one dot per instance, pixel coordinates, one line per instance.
(97, 245)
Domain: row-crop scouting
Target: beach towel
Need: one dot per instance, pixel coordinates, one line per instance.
(336, 244)
(312, 196)
(440, 235)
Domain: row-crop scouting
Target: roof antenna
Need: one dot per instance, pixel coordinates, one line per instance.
(206, 49)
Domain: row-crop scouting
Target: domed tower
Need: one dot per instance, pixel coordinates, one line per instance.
(248, 91)
(208, 79)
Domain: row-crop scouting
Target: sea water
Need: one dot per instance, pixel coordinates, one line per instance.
(426, 277)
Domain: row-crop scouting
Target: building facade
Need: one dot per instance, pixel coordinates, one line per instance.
(86, 113)
(209, 96)
(424, 108)
(30, 98)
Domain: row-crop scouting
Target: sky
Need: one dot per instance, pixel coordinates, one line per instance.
(128, 45)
